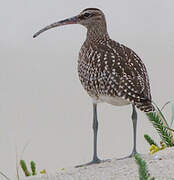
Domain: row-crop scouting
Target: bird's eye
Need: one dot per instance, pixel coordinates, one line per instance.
(86, 14)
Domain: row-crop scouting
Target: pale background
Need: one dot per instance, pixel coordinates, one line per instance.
(41, 99)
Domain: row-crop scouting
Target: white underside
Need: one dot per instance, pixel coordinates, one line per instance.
(117, 101)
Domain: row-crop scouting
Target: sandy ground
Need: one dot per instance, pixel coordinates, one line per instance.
(161, 166)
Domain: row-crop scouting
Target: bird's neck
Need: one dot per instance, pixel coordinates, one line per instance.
(97, 32)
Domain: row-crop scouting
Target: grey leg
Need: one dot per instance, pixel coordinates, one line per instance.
(134, 122)
(95, 159)
(95, 129)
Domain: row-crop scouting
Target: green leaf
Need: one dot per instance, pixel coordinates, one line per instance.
(152, 178)
(168, 102)
(24, 168)
(150, 140)
(33, 167)
(172, 119)
(142, 168)
(160, 113)
(161, 128)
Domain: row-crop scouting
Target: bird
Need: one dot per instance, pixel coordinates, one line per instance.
(109, 71)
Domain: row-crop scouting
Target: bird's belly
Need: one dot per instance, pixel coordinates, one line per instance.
(117, 101)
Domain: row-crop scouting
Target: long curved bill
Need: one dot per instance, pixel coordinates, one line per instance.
(72, 20)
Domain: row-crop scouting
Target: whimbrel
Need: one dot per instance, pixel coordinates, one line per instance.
(109, 71)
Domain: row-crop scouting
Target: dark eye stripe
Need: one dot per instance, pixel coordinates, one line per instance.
(86, 14)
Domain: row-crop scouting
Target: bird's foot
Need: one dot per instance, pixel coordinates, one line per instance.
(94, 161)
(130, 156)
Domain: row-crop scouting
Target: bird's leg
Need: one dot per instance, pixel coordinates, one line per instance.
(134, 122)
(95, 129)
(95, 159)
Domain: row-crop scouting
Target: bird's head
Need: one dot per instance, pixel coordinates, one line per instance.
(88, 17)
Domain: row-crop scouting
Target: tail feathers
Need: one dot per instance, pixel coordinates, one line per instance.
(146, 106)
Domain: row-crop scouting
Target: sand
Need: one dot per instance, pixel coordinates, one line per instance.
(161, 166)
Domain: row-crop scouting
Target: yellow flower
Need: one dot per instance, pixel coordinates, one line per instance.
(153, 149)
(43, 171)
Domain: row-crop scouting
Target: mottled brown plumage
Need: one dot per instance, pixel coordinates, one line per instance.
(107, 68)
(109, 71)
